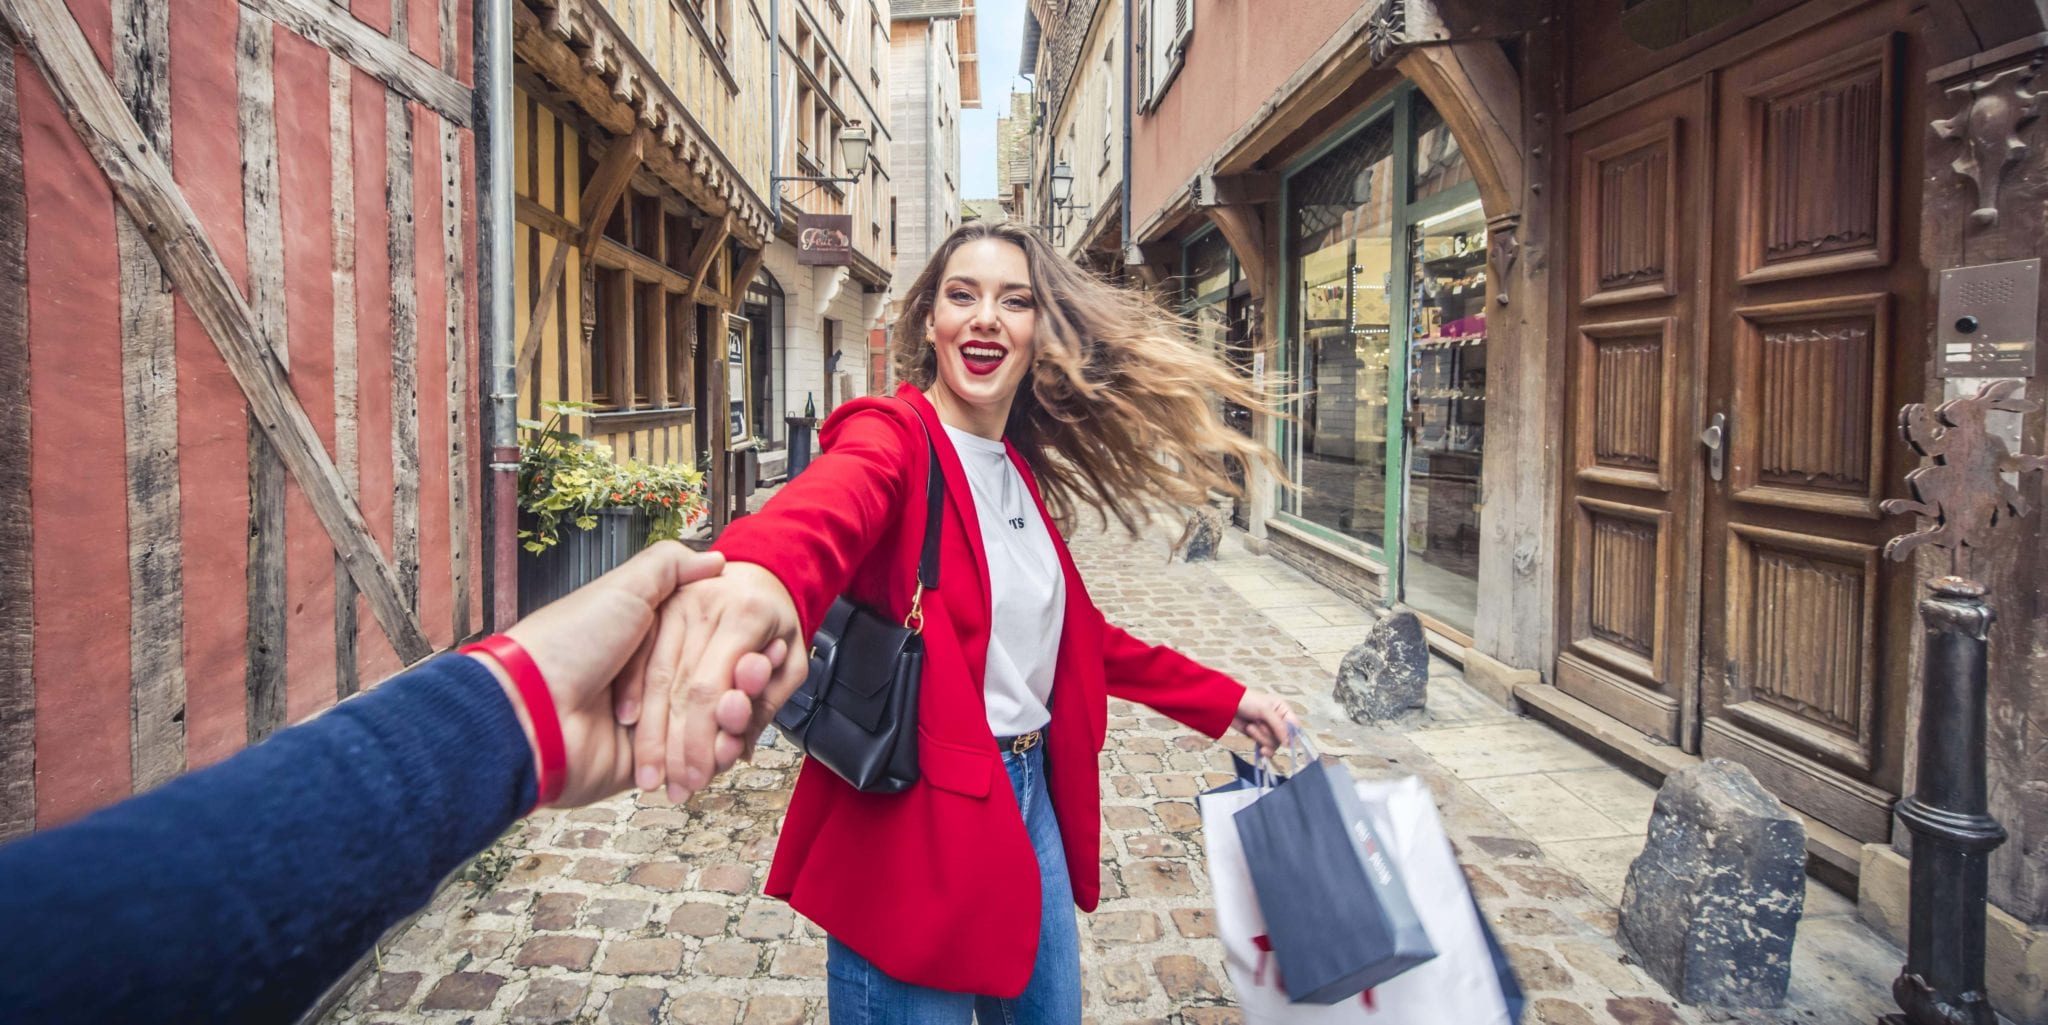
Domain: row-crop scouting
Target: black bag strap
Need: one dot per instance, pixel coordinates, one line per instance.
(934, 507)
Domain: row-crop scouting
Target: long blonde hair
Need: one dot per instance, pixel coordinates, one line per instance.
(1122, 409)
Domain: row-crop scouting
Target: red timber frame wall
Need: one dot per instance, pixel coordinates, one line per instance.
(240, 466)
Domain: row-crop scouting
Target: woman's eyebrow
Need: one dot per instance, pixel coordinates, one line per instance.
(961, 279)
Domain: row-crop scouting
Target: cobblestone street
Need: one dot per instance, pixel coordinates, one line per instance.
(636, 911)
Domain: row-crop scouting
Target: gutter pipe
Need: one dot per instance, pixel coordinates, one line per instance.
(493, 118)
(1124, 231)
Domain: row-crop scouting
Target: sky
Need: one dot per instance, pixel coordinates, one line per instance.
(999, 39)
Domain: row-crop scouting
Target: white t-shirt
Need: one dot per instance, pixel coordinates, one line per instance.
(1027, 591)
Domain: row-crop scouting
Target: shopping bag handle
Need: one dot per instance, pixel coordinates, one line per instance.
(1265, 776)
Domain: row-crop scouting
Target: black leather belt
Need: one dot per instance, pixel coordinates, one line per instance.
(1021, 743)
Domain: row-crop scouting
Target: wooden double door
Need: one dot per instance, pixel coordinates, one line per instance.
(1746, 315)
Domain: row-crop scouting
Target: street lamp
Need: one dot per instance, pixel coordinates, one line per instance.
(1062, 183)
(853, 154)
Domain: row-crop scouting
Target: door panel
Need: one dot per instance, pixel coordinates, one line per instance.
(1631, 626)
(1817, 308)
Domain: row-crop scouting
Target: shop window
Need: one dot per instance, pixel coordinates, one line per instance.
(639, 353)
(1341, 218)
(1447, 413)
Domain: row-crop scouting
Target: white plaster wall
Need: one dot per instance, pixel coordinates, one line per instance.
(800, 357)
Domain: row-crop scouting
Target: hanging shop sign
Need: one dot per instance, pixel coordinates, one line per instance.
(824, 240)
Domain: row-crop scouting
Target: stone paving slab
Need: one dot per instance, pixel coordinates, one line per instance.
(637, 911)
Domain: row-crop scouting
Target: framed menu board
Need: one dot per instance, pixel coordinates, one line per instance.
(739, 401)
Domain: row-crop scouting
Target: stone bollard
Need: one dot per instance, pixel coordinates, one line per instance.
(1387, 675)
(1713, 902)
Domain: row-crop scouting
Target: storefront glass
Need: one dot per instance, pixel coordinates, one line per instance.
(1447, 406)
(1387, 268)
(1342, 220)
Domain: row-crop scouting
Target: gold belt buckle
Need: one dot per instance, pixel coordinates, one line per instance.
(1023, 744)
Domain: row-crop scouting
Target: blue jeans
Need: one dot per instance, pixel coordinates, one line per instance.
(858, 993)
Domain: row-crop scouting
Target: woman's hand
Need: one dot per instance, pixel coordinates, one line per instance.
(1266, 718)
(694, 710)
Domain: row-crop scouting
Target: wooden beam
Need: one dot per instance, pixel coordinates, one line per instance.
(1479, 95)
(267, 598)
(619, 328)
(543, 304)
(608, 185)
(652, 306)
(144, 185)
(614, 254)
(1248, 189)
(17, 537)
(454, 186)
(1246, 233)
(710, 242)
(544, 220)
(403, 248)
(379, 56)
(149, 401)
(347, 390)
(750, 266)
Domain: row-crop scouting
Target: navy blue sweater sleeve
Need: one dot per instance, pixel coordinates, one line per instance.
(240, 892)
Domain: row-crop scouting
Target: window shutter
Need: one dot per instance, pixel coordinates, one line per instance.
(1165, 14)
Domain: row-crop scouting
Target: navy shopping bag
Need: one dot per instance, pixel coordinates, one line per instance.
(1339, 918)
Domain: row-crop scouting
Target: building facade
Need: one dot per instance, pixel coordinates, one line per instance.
(1072, 51)
(835, 76)
(1594, 322)
(639, 197)
(659, 268)
(936, 77)
(244, 479)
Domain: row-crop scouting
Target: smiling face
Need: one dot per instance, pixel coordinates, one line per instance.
(982, 323)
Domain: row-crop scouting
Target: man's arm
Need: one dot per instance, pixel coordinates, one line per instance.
(240, 892)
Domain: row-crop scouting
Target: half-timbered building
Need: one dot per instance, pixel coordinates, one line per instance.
(239, 345)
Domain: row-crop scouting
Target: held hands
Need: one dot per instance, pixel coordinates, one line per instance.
(604, 635)
(665, 670)
(704, 695)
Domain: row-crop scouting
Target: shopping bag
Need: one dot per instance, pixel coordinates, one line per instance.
(1467, 983)
(1337, 911)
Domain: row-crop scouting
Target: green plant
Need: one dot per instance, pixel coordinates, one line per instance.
(564, 476)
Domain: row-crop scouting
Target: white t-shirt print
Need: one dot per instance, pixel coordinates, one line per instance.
(1027, 591)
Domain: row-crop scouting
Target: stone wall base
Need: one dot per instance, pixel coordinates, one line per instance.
(1360, 580)
(2015, 953)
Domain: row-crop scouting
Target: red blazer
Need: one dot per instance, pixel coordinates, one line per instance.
(937, 885)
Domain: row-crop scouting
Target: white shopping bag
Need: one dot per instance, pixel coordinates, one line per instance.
(1459, 985)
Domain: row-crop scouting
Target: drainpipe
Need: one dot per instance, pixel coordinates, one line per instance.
(931, 161)
(1125, 229)
(774, 120)
(493, 118)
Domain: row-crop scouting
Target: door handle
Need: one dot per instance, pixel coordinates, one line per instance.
(1715, 438)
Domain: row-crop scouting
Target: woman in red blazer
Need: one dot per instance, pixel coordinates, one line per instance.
(954, 896)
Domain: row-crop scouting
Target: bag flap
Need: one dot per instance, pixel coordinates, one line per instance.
(867, 657)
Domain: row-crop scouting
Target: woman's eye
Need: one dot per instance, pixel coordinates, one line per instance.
(960, 296)
(1016, 302)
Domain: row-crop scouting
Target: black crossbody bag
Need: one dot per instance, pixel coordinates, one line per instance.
(856, 712)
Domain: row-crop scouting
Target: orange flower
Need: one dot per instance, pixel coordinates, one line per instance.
(616, 497)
